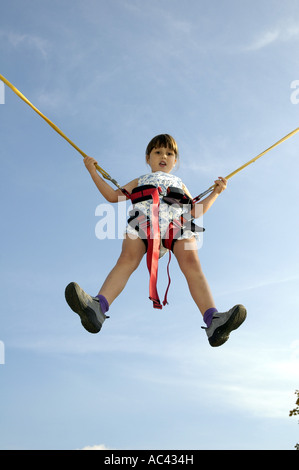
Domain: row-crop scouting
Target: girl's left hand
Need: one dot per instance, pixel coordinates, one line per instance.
(220, 185)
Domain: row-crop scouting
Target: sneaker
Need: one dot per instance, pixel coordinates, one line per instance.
(87, 307)
(224, 323)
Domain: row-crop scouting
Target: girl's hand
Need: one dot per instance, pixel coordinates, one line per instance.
(220, 185)
(90, 163)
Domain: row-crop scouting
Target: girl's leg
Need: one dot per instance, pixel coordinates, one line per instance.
(187, 256)
(92, 310)
(133, 250)
(219, 326)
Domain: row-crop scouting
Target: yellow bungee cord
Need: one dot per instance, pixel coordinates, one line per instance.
(20, 95)
(250, 161)
(105, 174)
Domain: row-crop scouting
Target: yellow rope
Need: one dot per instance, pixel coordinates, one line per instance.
(263, 153)
(259, 155)
(20, 95)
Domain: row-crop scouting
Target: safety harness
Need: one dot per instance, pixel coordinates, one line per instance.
(149, 230)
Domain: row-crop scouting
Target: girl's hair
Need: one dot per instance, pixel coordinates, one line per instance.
(162, 140)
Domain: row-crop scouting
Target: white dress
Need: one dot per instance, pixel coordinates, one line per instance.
(167, 212)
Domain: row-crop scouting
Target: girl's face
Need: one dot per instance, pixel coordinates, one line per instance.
(161, 159)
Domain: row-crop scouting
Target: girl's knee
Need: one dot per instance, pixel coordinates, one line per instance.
(190, 262)
(187, 258)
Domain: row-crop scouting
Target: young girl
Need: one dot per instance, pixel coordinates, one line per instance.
(161, 156)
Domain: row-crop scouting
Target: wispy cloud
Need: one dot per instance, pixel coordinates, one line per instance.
(254, 284)
(269, 37)
(97, 447)
(260, 387)
(31, 41)
(263, 40)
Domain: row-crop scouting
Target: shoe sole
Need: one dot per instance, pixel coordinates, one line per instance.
(221, 334)
(86, 314)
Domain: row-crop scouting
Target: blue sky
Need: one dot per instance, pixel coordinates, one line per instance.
(112, 74)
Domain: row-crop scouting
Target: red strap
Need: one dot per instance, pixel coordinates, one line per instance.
(151, 229)
(153, 238)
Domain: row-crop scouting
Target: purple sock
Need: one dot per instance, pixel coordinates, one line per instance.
(208, 316)
(103, 303)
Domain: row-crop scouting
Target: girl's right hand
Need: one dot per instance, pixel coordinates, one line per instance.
(90, 164)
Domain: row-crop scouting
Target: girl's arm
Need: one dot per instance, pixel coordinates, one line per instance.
(110, 194)
(220, 185)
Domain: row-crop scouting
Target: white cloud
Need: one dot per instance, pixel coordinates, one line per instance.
(253, 284)
(263, 40)
(96, 447)
(266, 38)
(28, 40)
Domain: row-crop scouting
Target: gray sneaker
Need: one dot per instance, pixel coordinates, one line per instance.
(224, 323)
(87, 307)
